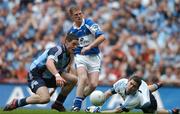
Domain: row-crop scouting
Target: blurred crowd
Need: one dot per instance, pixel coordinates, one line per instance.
(143, 36)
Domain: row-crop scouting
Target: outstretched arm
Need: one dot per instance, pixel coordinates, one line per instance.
(155, 86)
(107, 94)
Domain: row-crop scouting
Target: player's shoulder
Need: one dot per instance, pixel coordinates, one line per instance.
(143, 85)
(142, 81)
(56, 48)
(121, 82)
(89, 21)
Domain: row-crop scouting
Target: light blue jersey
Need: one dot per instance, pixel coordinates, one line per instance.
(58, 54)
(87, 33)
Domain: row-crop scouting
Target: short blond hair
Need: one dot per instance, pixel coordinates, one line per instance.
(73, 9)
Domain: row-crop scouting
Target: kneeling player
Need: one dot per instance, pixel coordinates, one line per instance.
(48, 71)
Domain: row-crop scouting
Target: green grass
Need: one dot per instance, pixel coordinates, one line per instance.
(35, 111)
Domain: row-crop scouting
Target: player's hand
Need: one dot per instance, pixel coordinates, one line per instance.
(60, 81)
(84, 49)
(160, 84)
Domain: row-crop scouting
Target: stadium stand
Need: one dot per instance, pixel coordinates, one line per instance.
(143, 36)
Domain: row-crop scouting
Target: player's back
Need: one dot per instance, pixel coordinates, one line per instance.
(58, 54)
(40, 61)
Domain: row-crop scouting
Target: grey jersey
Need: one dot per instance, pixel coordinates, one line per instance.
(58, 54)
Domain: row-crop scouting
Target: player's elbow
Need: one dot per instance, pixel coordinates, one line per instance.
(102, 37)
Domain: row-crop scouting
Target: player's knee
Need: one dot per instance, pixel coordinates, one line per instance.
(45, 99)
(82, 79)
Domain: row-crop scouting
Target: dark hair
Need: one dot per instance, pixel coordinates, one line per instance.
(70, 37)
(72, 9)
(137, 79)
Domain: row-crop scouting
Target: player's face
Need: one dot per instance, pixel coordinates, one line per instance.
(77, 16)
(131, 87)
(72, 45)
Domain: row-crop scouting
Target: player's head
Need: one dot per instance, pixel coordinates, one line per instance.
(71, 42)
(75, 13)
(133, 85)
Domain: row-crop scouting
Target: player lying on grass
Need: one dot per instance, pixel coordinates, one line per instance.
(136, 95)
(48, 71)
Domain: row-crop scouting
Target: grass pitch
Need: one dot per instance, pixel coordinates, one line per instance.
(37, 111)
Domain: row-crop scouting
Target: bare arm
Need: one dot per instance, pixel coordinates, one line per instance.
(155, 86)
(95, 43)
(107, 94)
(52, 68)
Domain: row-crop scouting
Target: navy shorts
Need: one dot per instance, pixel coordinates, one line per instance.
(152, 107)
(36, 81)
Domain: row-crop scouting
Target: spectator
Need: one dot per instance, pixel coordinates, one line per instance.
(140, 33)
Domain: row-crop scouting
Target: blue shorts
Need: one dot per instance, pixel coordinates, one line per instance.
(36, 81)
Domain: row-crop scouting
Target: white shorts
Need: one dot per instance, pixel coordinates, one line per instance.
(91, 62)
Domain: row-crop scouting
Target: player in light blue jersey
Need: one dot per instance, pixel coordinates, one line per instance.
(136, 95)
(48, 71)
(87, 54)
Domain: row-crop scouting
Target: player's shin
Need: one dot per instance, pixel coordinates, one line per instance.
(87, 91)
(79, 97)
(58, 104)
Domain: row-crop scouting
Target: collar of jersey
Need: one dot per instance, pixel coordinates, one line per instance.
(75, 27)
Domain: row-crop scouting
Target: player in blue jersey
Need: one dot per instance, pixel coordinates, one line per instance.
(136, 94)
(48, 71)
(87, 54)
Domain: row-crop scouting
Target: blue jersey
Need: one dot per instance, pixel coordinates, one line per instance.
(87, 33)
(58, 54)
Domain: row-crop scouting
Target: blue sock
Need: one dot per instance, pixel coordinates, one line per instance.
(78, 102)
(22, 102)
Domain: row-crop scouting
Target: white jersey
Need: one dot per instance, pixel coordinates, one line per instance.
(137, 100)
